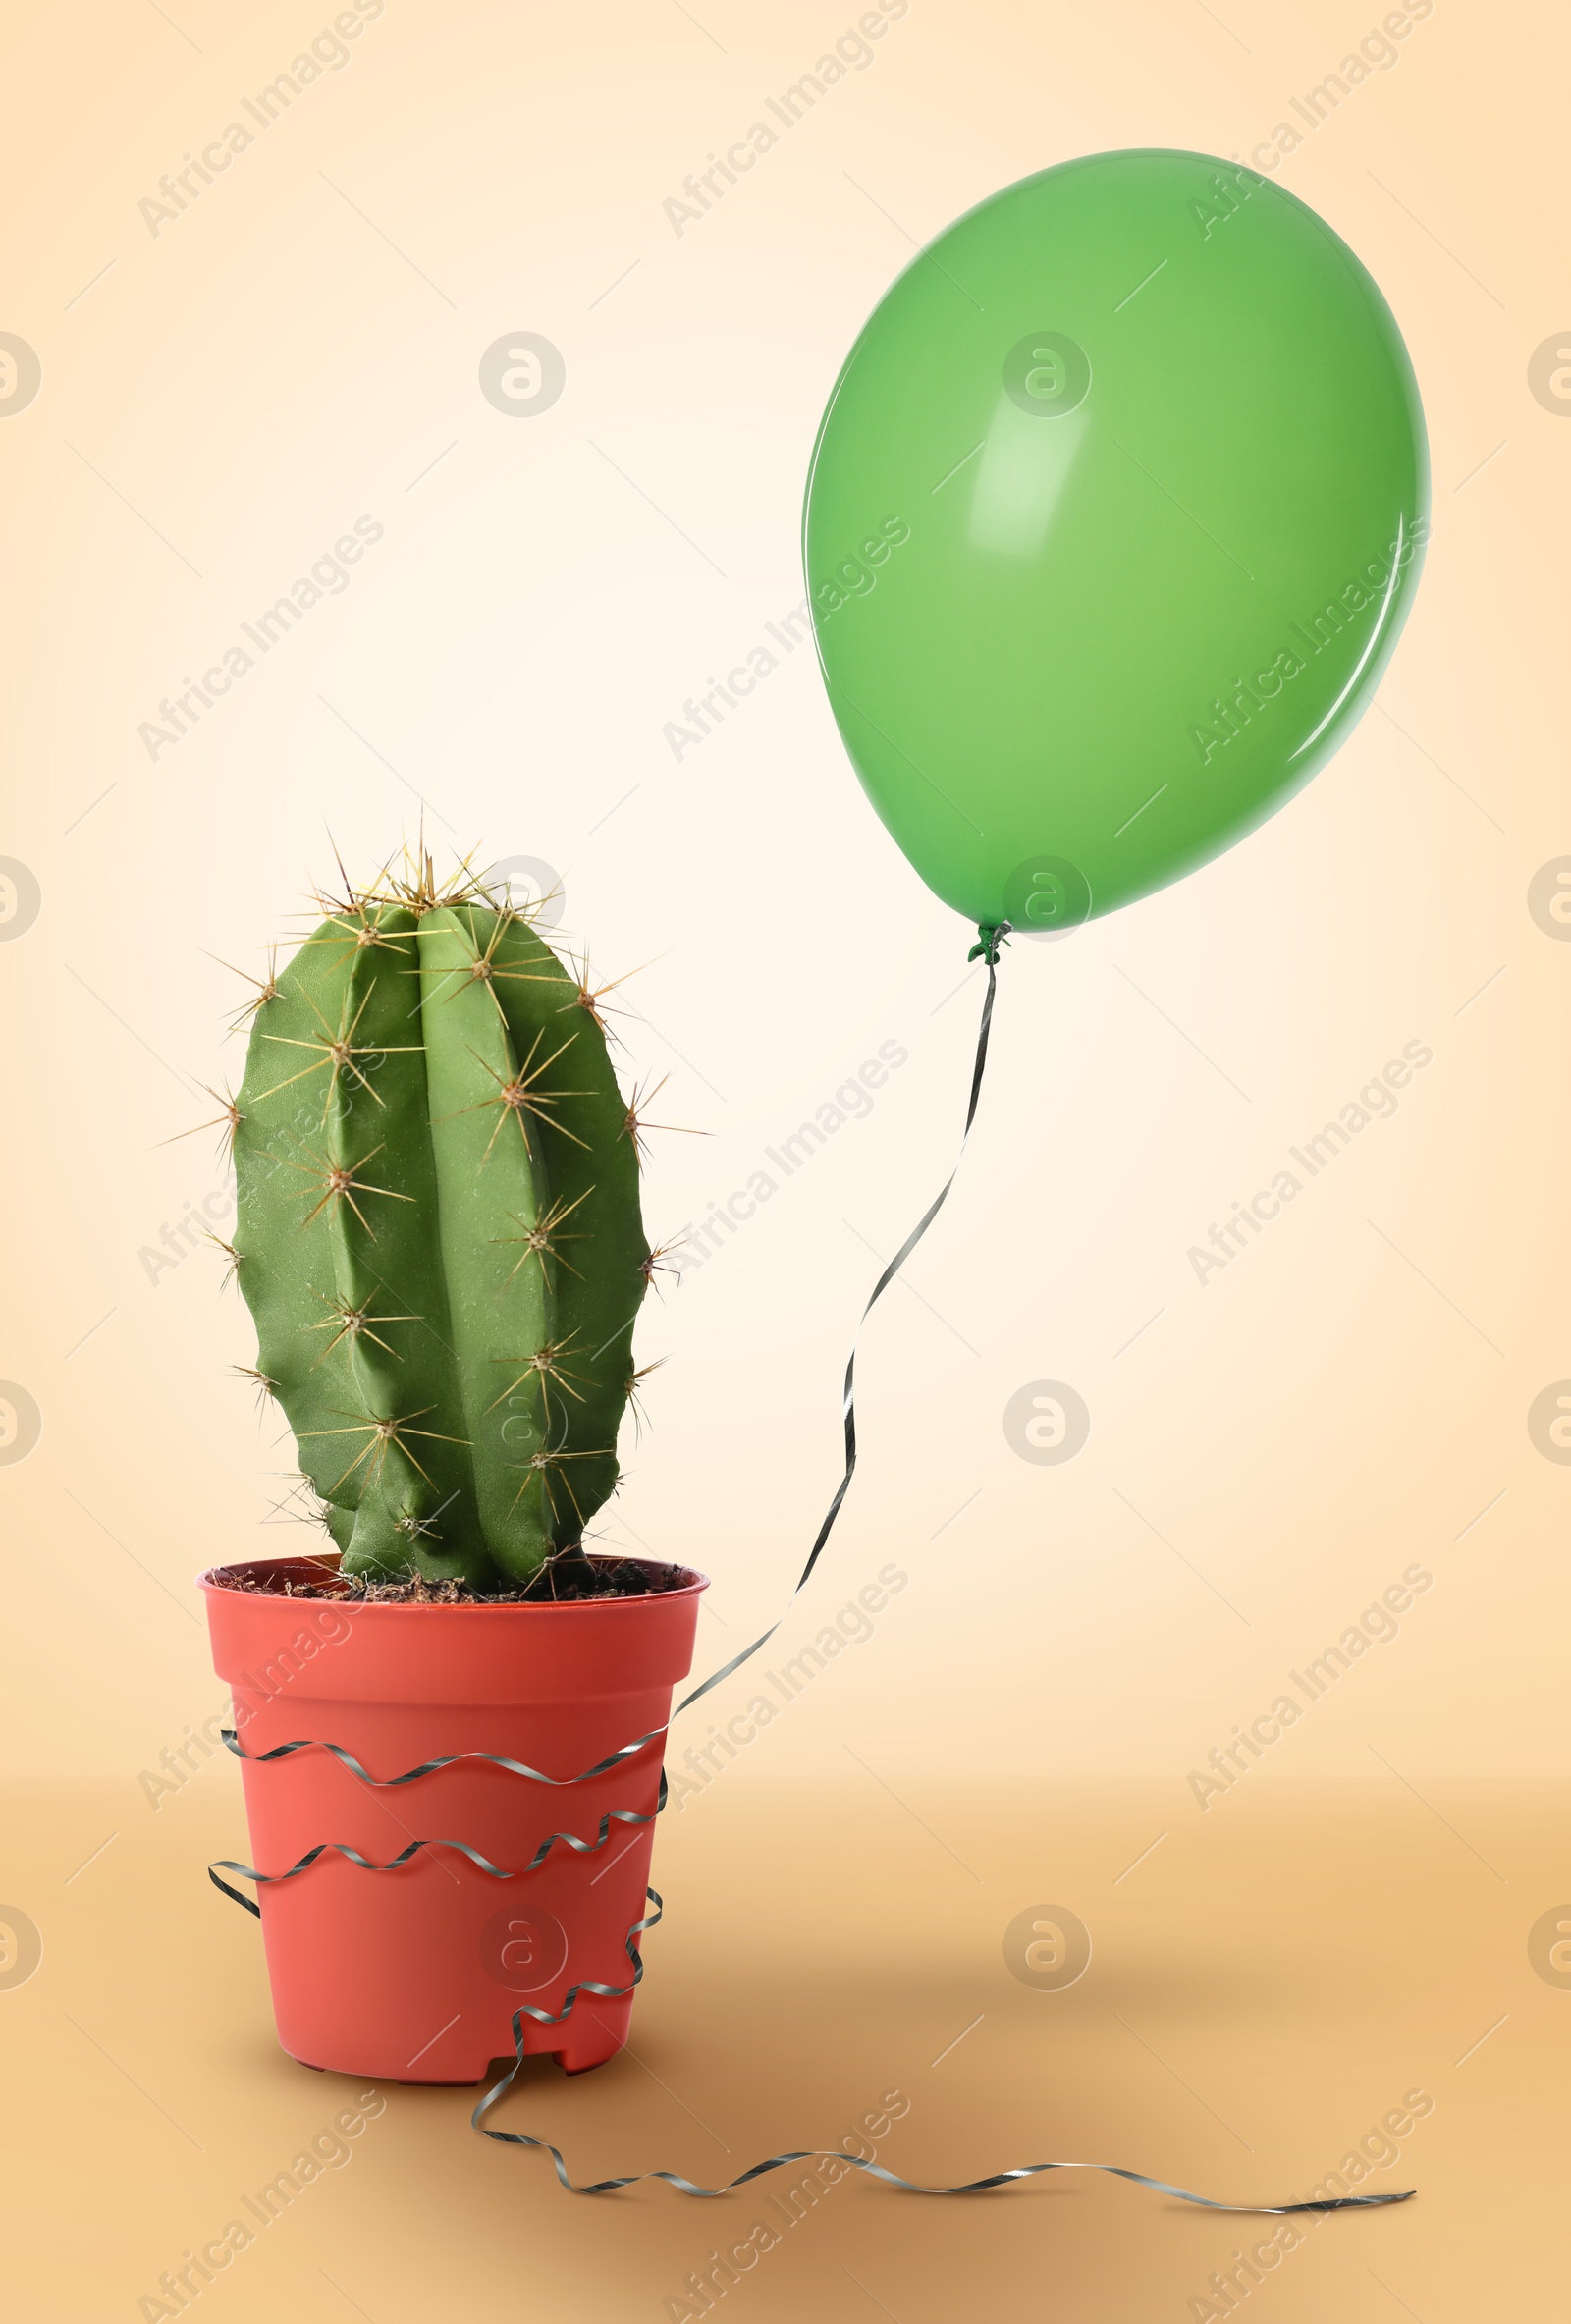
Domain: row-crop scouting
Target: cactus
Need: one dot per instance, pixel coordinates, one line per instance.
(438, 1230)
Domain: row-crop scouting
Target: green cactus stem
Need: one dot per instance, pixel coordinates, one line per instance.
(438, 1231)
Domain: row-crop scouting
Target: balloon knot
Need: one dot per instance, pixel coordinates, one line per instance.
(992, 938)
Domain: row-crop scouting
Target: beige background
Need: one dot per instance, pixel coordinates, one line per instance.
(299, 349)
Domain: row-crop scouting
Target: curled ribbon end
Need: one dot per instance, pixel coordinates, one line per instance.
(1356, 2202)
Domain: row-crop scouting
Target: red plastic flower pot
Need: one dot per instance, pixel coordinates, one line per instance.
(414, 1974)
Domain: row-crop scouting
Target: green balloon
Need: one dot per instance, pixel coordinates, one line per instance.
(1112, 523)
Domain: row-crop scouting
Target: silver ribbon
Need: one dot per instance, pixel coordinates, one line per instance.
(483, 1864)
(803, 2154)
(988, 949)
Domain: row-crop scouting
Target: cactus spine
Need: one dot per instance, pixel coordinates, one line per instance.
(439, 1234)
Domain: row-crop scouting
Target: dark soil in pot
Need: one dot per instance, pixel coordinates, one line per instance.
(569, 1579)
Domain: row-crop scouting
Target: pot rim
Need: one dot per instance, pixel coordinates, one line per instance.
(214, 1580)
